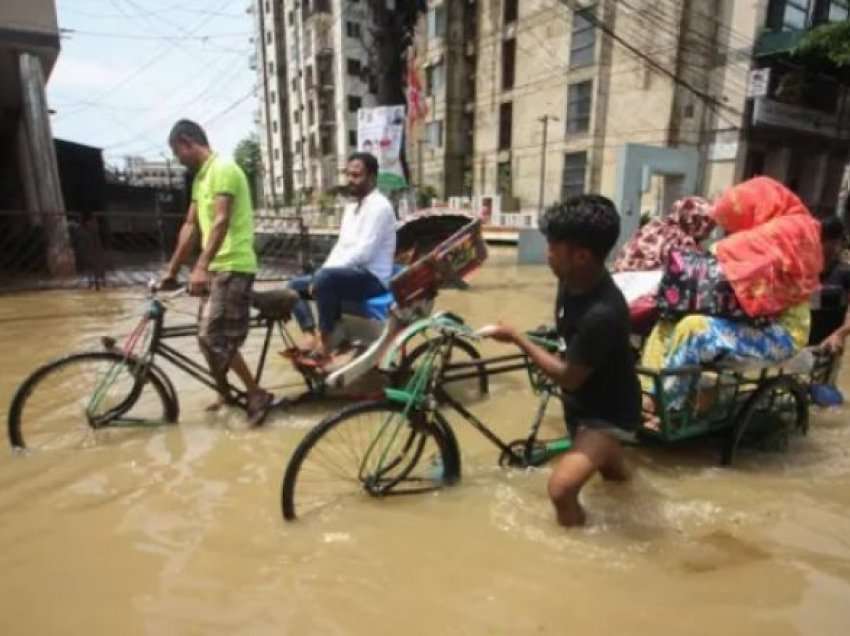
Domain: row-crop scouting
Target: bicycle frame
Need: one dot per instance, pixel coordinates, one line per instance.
(426, 389)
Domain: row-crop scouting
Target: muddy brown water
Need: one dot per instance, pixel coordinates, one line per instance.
(177, 530)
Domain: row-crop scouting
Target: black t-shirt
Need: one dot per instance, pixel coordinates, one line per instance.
(595, 329)
(829, 304)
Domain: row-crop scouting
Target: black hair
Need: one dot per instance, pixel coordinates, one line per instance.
(189, 130)
(831, 229)
(588, 220)
(369, 162)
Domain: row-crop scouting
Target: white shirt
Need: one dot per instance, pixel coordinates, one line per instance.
(366, 237)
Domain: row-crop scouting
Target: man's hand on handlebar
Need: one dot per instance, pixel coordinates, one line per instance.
(498, 332)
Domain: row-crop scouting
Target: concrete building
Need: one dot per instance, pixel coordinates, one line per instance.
(29, 175)
(165, 173)
(312, 72)
(641, 100)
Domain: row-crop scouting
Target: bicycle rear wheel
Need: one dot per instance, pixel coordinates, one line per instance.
(62, 402)
(371, 448)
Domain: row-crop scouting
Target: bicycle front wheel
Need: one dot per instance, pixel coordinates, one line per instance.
(62, 402)
(371, 448)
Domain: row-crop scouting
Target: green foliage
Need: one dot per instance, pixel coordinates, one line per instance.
(424, 194)
(828, 42)
(247, 156)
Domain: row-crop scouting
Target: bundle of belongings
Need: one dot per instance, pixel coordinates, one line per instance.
(744, 300)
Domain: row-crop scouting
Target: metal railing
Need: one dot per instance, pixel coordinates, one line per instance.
(115, 249)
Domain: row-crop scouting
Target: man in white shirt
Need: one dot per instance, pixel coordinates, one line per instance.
(359, 265)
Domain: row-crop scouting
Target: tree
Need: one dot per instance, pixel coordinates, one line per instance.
(247, 155)
(394, 22)
(829, 42)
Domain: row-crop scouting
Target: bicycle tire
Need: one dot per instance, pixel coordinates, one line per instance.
(402, 474)
(24, 415)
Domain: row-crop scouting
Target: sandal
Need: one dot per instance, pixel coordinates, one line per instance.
(258, 414)
(314, 360)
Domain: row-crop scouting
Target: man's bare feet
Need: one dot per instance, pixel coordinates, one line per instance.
(259, 404)
(650, 419)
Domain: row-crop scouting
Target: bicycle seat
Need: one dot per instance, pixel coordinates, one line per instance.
(276, 304)
(374, 308)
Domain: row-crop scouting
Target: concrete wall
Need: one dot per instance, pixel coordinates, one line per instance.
(29, 15)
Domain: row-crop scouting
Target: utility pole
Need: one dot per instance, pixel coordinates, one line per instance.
(545, 119)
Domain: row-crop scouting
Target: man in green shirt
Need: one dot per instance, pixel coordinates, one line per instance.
(223, 275)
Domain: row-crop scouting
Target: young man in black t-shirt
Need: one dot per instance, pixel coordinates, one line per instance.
(597, 371)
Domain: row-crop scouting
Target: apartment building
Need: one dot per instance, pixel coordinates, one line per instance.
(269, 61)
(315, 79)
(155, 173)
(641, 100)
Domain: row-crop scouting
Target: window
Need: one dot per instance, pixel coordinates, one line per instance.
(327, 143)
(274, 126)
(274, 97)
(294, 85)
(311, 113)
(508, 63)
(271, 68)
(435, 77)
(437, 22)
(504, 178)
(505, 125)
(353, 67)
(789, 15)
(296, 116)
(579, 99)
(352, 29)
(352, 138)
(373, 84)
(582, 38)
(298, 147)
(268, 37)
(572, 179)
(268, 6)
(291, 18)
(354, 103)
(276, 154)
(434, 133)
(839, 10)
(511, 11)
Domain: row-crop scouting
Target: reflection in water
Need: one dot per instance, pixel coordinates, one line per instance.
(178, 530)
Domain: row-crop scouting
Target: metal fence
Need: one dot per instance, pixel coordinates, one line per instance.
(112, 249)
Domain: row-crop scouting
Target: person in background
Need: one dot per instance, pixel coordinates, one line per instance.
(223, 276)
(830, 315)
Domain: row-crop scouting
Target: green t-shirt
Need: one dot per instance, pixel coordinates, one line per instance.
(222, 176)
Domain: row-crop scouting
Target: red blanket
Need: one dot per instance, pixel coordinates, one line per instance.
(772, 256)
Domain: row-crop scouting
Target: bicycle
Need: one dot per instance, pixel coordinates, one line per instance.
(111, 391)
(378, 447)
(121, 387)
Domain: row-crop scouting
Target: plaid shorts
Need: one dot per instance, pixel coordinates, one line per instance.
(224, 316)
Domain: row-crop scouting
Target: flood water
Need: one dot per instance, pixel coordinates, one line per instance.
(178, 530)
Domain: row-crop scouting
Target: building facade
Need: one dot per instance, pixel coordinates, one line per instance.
(313, 80)
(641, 100)
(165, 173)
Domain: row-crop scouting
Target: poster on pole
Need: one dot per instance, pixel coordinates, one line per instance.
(379, 132)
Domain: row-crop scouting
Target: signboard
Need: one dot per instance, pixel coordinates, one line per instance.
(767, 112)
(759, 82)
(379, 132)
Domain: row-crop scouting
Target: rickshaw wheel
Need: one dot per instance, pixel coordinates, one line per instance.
(776, 410)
